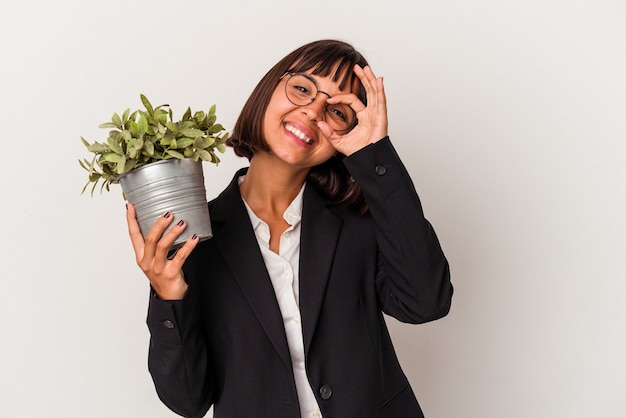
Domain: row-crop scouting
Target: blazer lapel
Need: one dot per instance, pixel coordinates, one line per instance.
(319, 234)
(237, 243)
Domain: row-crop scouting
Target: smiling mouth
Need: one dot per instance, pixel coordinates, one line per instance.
(299, 134)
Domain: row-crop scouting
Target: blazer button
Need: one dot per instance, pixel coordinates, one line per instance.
(326, 391)
(168, 324)
(380, 170)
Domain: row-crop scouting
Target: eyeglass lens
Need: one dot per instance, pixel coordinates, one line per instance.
(302, 91)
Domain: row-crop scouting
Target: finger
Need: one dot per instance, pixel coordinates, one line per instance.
(373, 85)
(360, 73)
(369, 74)
(154, 235)
(165, 244)
(377, 83)
(381, 98)
(183, 252)
(368, 80)
(327, 131)
(168, 239)
(134, 231)
(366, 74)
(375, 113)
(350, 99)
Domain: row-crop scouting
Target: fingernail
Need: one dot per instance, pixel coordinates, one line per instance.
(167, 215)
(180, 223)
(194, 236)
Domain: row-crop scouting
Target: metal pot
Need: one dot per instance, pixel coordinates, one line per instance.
(172, 185)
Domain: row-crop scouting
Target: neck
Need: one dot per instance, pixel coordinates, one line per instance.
(269, 187)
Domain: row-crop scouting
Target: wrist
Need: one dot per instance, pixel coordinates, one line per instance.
(175, 293)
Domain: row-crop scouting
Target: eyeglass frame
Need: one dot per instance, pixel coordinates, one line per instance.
(291, 74)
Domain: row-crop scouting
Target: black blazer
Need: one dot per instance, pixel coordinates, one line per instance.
(224, 344)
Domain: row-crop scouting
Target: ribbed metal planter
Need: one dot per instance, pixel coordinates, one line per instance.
(172, 185)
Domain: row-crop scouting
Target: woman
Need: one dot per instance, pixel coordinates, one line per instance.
(280, 314)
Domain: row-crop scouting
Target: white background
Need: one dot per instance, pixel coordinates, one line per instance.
(510, 116)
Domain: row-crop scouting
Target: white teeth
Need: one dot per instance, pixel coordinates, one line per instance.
(299, 134)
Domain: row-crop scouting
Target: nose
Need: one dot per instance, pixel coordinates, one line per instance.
(316, 109)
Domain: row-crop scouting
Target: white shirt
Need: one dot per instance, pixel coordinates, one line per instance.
(283, 272)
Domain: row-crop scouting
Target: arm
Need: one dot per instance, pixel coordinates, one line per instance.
(413, 279)
(177, 357)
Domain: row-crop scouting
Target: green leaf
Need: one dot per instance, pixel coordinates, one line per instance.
(172, 126)
(98, 148)
(148, 147)
(199, 116)
(93, 188)
(210, 120)
(121, 164)
(91, 165)
(175, 154)
(168, 141)
(115, 146)
(113, 157)
(108, 125)
(192, 132)
(147, 104)
(205, 155)
(115, 135)
(117, 120)
(137, 143)
(184, 142)
(142, 124)
(207, 142)
(126, 136)
(132, 118)
(85, 187)
(215, 129)
(160, 116)
(186, 124)
(125, 115)
(130, 164)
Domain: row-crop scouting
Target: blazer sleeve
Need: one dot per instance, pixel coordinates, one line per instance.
(177, 357)
(413, 277)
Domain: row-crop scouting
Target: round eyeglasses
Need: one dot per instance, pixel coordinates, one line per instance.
(302, 90)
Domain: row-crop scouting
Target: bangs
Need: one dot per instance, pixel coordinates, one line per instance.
(336, 61)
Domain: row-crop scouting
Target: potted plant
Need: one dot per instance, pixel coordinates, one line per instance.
(158, 163)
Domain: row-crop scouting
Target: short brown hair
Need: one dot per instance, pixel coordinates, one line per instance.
(324, 58)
